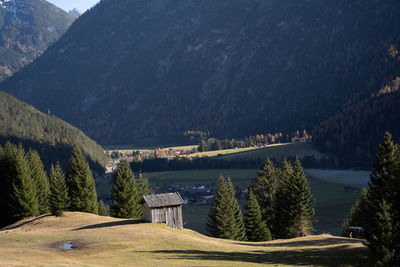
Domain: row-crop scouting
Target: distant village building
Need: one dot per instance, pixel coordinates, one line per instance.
(163, 208)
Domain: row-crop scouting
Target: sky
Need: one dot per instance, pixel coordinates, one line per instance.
(67, 5)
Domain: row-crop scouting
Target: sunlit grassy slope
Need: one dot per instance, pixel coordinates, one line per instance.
(105, 241)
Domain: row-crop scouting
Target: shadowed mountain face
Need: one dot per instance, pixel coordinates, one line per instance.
(27, 28)
(53, 138)
(148, 70)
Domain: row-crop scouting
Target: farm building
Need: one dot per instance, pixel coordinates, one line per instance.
(163, 208)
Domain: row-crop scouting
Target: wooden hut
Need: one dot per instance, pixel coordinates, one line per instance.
(163, 208)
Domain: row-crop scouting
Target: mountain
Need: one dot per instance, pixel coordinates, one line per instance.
(148, 70)
(27, 28)
(353, 134)
(76, 13)
(50, 136)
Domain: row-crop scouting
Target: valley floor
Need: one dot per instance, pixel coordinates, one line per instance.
(106, 241)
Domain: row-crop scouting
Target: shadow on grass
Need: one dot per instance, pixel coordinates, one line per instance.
(110, 224)
(25, 223)
(307, 243)
(337, 256)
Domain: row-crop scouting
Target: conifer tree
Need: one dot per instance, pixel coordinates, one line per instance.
(103, 210)
(383, 198)
(264, 188)
(7, 174)
(221, 220)
(282, 206)
(41, 181)
(124, 193)
(143, 189)
(357, 216)
(58, 200)
(301, 203)
(240, 230)
(23, 199)
(256, 229)
(225, 219)
(80, 183)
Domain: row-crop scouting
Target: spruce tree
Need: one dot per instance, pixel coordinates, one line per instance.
(256, 229)
(301, 203)
(240, 231)
(124, 193)
(80, 183)
(282, 206)
(41, 181)
(264, 188)
(7, 155)
(384, 197)
(225, 217)
(357, 216)
(384, 241)
(58, 200)
(23, 199)
(143, 189)
(103, 210)
(221, 221)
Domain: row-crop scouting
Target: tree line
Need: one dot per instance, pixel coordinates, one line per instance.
(26, 189)
(176, 164)
(377, 211)
(279, 205)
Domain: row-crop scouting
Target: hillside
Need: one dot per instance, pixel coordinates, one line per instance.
(27, 29)
(105, 241)
(353, 135)
(50, 136)
(137, 72)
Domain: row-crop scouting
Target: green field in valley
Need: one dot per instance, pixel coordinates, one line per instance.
(330, 189)
(278, 151)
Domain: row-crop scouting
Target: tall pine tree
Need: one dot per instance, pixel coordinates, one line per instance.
(59, 200)
(301, 203)
(256, 229)
(224, 219)
(240, 231)
(264, 188)
(23, 197)
(80, 183)
(282, 206)
(41, 181)
(125, 193)
(384, 198)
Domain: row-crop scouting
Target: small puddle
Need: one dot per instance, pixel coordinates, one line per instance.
(68, 245)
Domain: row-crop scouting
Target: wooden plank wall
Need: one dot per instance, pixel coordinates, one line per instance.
(171, 216)
(174, 217)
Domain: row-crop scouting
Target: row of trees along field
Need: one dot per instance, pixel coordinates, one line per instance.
(279, 205)
(378, 209)
(212, 144)
(26, 190)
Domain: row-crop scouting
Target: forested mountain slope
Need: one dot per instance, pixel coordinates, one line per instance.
(27, 28)
(148, 70)
(50, 136)
(353, 134)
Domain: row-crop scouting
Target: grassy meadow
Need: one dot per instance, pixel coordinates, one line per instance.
(278, 151)
(106, 241)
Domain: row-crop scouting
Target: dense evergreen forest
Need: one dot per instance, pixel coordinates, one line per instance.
(353, 135)
(50, 136)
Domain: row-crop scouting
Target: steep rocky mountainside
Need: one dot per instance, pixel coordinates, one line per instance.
(76, 13)
(27, 28)
(148, 70)
(50, 136)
